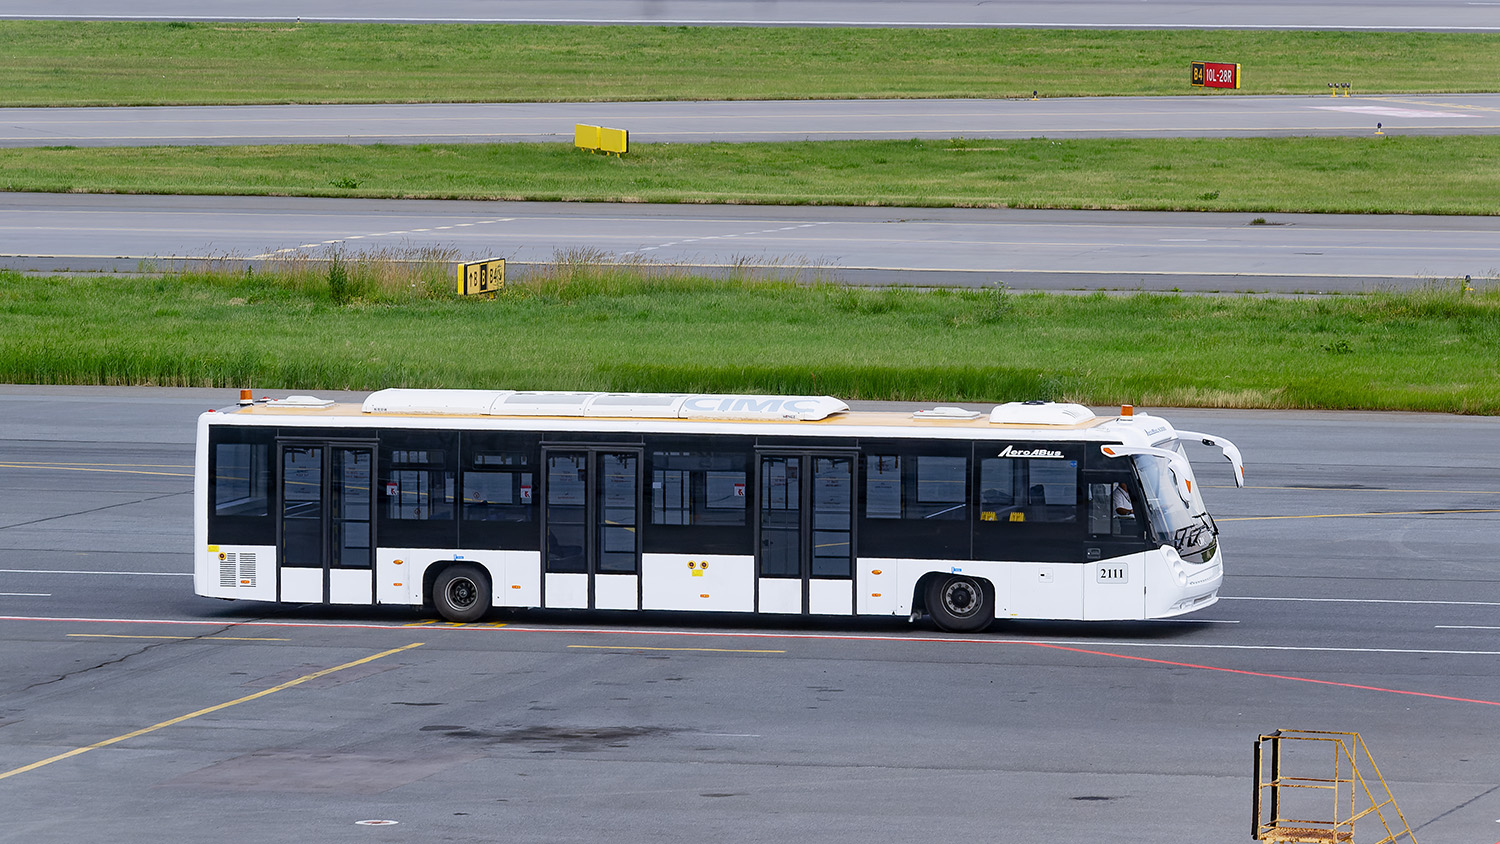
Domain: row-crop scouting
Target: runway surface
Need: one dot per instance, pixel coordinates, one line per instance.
(1363, 594)
(1224, 115)
(1457, 15)
(1030, 250)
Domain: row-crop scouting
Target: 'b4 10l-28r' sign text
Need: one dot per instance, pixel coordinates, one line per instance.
(1216, 75)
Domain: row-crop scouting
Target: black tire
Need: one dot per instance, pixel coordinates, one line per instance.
(462, 592)
(960, 604)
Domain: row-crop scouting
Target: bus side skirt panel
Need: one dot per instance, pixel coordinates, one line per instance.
(830, 597)
(567, 591)
(515, 576)
(717, 582)
(780, 595)
(237, 571)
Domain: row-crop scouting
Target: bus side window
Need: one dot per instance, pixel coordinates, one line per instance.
(497, 487)
(418, 482)
(935, 487)
(698, 488)
(1101, 519)
(1112, 510)
(1019, 489)
(241, 479)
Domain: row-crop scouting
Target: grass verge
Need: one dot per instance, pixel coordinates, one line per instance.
(1407, 175)
(52, 63)
(587, 326)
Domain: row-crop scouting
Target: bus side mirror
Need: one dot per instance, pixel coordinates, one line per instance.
(1231, 452)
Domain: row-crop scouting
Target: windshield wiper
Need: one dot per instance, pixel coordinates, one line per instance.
(1187, 537)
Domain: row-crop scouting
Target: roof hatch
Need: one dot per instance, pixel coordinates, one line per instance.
(1040, 413)
(614, 405)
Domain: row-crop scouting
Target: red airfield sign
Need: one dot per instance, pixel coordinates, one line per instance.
(1216, 75)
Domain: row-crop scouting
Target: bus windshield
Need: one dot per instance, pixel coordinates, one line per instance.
(1185, 525)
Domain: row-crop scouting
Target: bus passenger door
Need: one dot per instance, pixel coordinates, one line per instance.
(591, 554)
(1115, 586)
(326, 524)
(805, 533)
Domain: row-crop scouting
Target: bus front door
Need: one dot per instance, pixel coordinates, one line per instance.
(591, 555)
(805, 533)
(326, 524)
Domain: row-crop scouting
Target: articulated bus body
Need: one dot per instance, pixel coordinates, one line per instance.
(464, 500)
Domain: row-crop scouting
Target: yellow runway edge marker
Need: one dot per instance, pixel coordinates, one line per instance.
(191, 715)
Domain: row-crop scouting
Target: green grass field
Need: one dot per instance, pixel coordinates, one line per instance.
(587, 327)
(583, 326)
(1438, 175)
(113, 63)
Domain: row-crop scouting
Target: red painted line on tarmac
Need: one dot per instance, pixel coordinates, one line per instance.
(753, 635)
(1264, 674)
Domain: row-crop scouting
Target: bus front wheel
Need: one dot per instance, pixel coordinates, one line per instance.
(960, 604)
(462, 593)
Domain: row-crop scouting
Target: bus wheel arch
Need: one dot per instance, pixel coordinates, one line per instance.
(461, 592)
(959, 603)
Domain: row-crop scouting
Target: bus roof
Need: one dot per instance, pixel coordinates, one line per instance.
(678, 411)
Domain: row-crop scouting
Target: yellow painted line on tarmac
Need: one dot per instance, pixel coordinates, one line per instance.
(60, 468)
(638, 648)
(191, 715)
(178, 638)
(1352, 515)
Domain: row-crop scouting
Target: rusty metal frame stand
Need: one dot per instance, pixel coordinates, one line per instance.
(1346, 786)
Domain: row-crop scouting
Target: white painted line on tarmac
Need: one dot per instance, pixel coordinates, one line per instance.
(1388, 111)
(1365, 600)
(76, 571)
(26, 594)
(1462, 627)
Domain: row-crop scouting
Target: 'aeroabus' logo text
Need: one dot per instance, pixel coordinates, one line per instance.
(1012, 451)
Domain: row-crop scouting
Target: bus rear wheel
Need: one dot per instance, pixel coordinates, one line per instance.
(960, 604)
(462, 593)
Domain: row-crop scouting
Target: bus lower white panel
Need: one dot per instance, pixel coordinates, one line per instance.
(1174, 587)
(910, 572)
(698, 582)
(399, 573)
(780, 594)
(616, 592)
(522, 585)
(515, 578)
(237, 571)
(350, 586)
(302, 586)
(876, 587)
(568, 591)
(830, 597)
(1040, 590)
(1116, 589)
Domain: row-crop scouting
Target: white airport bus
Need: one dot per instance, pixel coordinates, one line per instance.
(464, 500)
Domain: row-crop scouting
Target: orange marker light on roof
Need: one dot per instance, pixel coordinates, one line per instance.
(1127, 410)
(247, 397)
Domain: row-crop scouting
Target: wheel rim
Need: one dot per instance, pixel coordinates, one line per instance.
(462, 593)
(962, 598)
